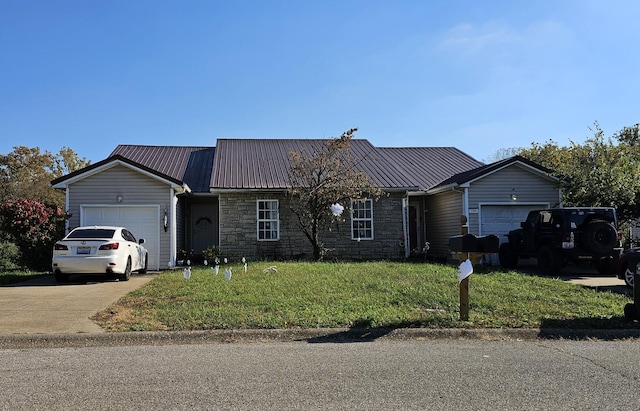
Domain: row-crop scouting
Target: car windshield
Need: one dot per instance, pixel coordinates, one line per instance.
(92, 233)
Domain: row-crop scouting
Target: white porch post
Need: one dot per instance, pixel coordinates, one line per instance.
(173, 230)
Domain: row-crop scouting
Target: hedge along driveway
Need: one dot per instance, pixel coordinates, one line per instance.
(42, 306)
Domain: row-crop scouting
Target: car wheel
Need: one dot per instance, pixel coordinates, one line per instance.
(508, 257)
(549, 261)
(146, 265)
(61, 278)
(628, 276)
(127, 271)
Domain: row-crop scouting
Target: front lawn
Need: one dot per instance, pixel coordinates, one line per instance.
(371, 294)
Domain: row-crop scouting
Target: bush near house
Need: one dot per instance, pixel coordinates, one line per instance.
(33, 227)
(9, 256)
(211, 253)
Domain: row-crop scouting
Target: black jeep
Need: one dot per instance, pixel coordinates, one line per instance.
(557, 236)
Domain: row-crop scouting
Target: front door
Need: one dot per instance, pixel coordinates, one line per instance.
(204, 226)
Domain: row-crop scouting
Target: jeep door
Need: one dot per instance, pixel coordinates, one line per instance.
(529, 229)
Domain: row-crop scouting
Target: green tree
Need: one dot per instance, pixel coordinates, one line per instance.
(502, 153)
(27, 173)
(599, 172)
(629, 136)
(325, 176)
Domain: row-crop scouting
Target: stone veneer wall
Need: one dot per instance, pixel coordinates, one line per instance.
(238, 236)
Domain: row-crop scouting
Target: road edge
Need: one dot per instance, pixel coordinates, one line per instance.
(312, 336)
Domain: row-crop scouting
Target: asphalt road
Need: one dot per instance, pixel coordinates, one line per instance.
(69, 366)
(394, 375)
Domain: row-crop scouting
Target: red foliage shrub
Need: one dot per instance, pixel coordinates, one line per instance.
(34, 226)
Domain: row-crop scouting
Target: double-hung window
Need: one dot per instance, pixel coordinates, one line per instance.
(362, 219)
(268, 220)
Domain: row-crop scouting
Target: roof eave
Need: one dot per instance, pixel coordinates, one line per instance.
(218, 190)
(63, 183)
(446, 187)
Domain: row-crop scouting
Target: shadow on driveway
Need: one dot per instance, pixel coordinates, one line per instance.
(47, 280)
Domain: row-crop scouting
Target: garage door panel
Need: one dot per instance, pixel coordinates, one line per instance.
(500, 219)
(142, 221)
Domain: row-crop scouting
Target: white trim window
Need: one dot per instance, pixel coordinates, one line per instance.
(362, 219)
(268, 220)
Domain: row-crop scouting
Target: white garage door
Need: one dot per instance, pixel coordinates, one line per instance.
(142, 221)
(500, 219)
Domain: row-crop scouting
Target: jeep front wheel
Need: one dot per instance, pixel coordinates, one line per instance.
(549, 261)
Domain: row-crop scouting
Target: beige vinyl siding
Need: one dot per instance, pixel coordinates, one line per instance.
(443, 220)
(496, 189)
(135, 188)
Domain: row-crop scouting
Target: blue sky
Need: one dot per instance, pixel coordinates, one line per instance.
(477, 75)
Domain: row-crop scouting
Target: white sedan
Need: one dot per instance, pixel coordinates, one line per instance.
(99, 250)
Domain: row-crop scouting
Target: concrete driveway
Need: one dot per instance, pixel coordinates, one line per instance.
(595, 280)
(585, 275)
(42, 306)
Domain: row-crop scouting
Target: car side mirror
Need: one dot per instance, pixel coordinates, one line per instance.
(141, 241)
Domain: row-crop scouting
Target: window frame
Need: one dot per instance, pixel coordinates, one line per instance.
(267, 221)
(368, 207)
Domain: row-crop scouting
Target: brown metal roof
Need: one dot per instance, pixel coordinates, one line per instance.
(254, 163)
(264, 164)
(425, 167)
(191, 165)
(246, 164)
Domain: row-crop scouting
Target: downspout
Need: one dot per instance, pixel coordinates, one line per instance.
(465, 201)
(560, 197)
(66, 209)
(405, 223)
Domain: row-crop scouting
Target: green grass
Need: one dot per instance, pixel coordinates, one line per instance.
(371, 294)
(11, 277)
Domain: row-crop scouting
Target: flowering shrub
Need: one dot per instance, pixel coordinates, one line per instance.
(211, 253)
(34, 227)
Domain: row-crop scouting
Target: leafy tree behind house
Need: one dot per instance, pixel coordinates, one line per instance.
(31, 217)
(325, 176)
(599, 172)
(27, 173)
